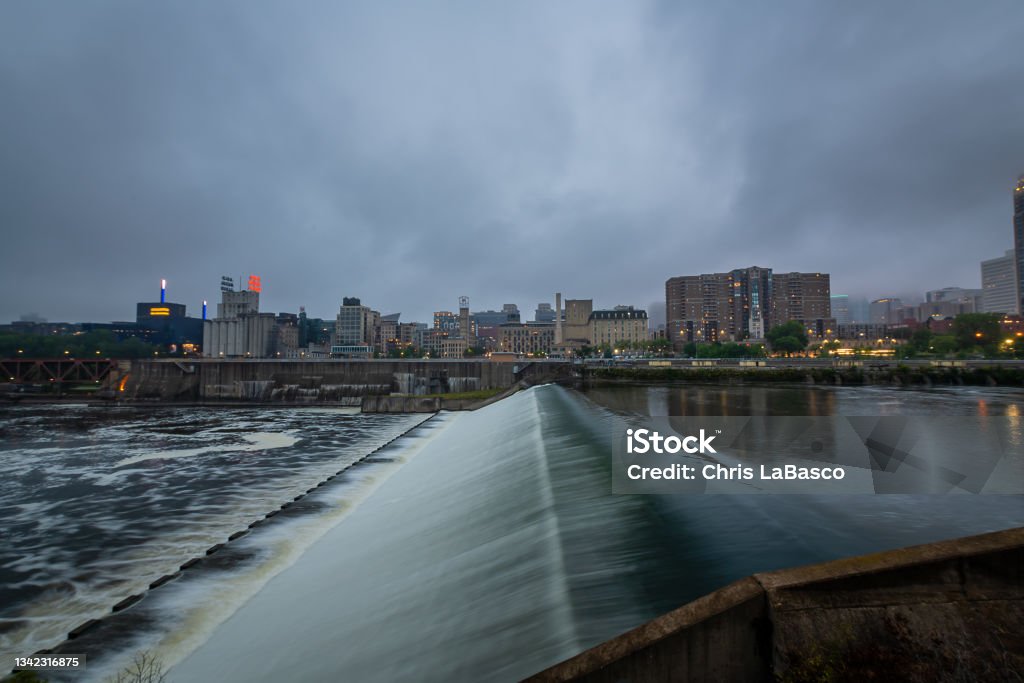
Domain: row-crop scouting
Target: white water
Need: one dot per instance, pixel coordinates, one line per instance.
(459, 551)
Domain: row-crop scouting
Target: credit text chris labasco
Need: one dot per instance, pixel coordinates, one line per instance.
(641, 441)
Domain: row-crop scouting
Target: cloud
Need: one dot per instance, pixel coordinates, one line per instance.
(409, 154)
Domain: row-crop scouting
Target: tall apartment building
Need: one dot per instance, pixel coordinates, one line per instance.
(1018, 239)
(743, 304)
(752, 292)
(999, 284)
(801, 296)
(700, 307)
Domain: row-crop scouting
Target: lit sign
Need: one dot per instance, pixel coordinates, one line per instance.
(158, 310)
(254, 283)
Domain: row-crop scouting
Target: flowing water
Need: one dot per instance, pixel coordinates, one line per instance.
(482, 546)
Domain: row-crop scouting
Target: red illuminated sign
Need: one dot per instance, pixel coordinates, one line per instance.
(254, 283)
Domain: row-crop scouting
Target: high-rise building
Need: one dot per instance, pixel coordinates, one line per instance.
(955, 294)
(544, 313)
(752, 295)
(744, 304)
(841, 309)
(801, 296)
(356, 324)
(700, 307)
(885, 311)
(1018, 238)
(999, 284)
(859, 310)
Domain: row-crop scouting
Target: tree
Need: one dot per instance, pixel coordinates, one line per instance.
(788, 337)
(977, 331)
(942, 344)
(828, 348)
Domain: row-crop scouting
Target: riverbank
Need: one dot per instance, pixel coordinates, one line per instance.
(900, 375)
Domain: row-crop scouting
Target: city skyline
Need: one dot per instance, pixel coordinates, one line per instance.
(409, 155)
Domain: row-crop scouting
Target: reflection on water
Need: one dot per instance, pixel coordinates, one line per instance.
(805, 401)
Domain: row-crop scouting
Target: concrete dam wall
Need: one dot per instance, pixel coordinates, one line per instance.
(317, 381)
(952, 610)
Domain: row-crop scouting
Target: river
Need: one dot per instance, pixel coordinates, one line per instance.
(481, 546)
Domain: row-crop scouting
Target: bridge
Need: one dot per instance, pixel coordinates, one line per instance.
(57, 371)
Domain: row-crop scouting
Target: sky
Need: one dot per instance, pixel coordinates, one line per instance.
(411, 153)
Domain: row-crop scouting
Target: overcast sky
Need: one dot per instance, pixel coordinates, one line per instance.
(411, 153)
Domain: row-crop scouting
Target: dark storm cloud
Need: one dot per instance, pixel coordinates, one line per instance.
(410, 154)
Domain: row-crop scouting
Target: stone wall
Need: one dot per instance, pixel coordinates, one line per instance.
(949, 610)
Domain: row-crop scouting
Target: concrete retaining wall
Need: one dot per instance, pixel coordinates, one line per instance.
(949, 610)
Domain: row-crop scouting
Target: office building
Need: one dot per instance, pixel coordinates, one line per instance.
(356, 326)
(960, 295)
(885, 311)
(544, 313)
(999, 284)
(841, 309)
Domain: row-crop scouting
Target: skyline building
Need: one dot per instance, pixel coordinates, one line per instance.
(745, 303)
(1018, 238)
(885, 311)
(355, 328)
(620, 324)
(955, 294)
(841, 309)
(999, 284)
(239, 330)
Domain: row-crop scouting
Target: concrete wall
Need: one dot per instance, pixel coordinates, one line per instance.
(950, 610)
(323, 381)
